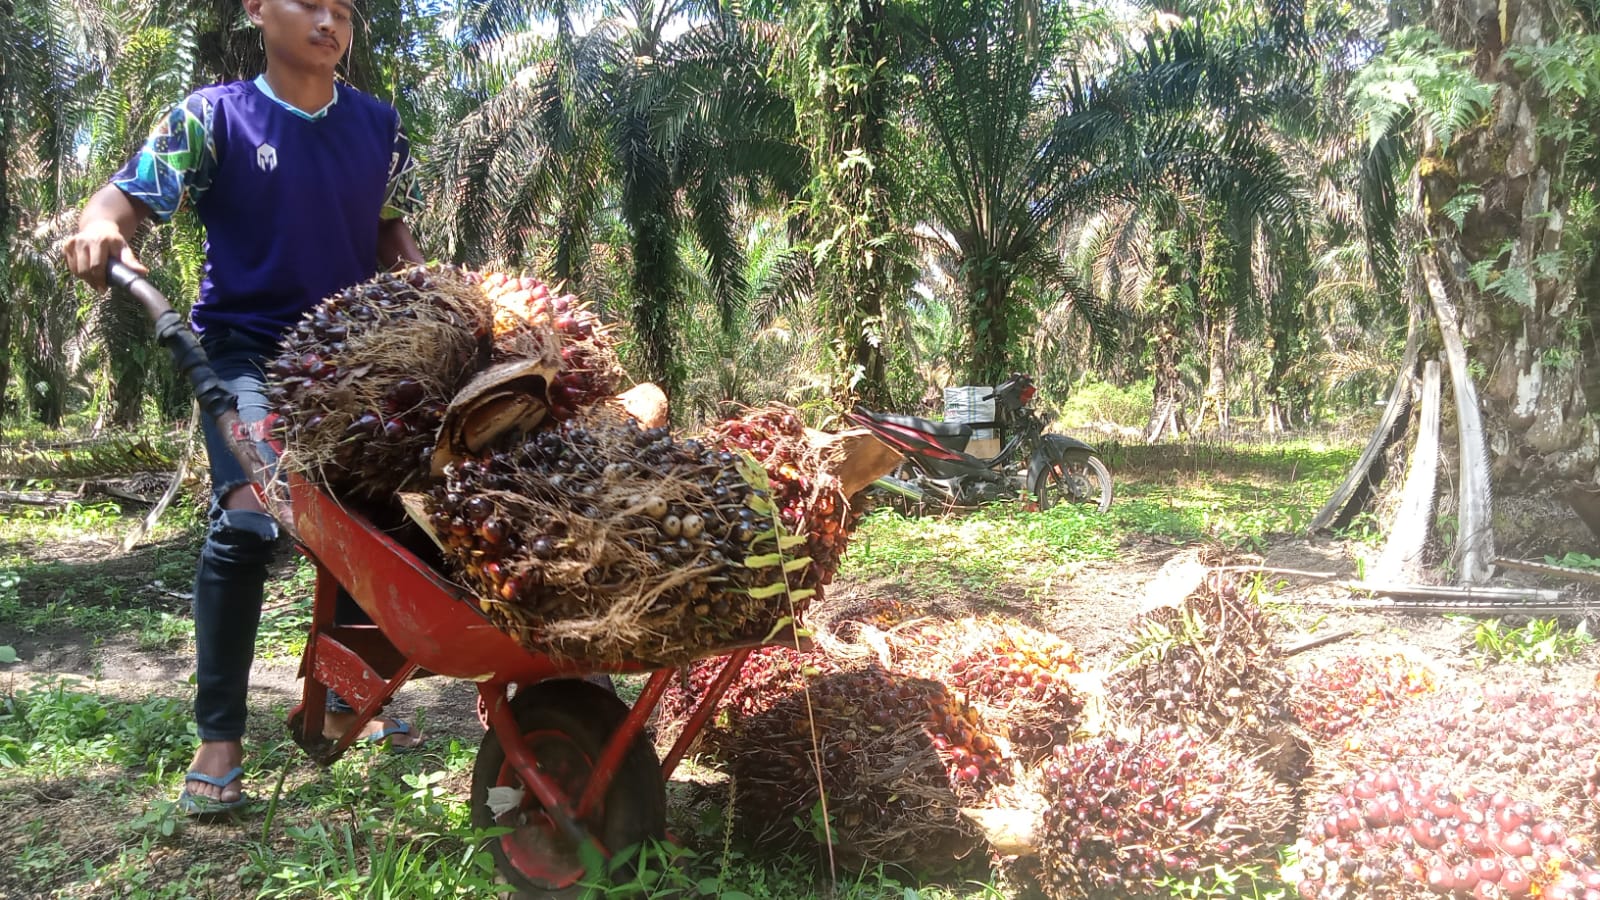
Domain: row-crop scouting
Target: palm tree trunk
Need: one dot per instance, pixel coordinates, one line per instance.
(1166, 414)
(7, 135)
(1519, 321)
(647, 207)
(988, 308)
(865, 262)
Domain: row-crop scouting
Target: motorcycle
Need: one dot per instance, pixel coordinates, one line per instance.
(938, 470)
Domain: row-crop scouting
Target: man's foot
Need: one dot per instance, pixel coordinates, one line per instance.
(214, 783)
(381, 730)
(216, 759)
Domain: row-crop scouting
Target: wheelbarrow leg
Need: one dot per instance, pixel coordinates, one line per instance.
(314, 698)
(703, 710)
(330, 663)
(621, 740)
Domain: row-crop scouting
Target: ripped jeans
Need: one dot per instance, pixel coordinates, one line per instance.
(230, 580)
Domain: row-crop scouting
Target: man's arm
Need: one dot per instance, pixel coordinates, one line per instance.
(105, 228)
(396, 245)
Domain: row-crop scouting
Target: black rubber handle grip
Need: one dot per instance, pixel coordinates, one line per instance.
(173, 334)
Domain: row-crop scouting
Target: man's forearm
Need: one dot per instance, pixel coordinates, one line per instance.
(396, 245)
(110, 204)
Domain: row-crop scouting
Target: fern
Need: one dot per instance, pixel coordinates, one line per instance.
(1416, 76)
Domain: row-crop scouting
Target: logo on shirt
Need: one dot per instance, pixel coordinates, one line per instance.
(267, 157)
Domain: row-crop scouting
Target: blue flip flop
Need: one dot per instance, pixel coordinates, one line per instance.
(381, 738)
(199, 805)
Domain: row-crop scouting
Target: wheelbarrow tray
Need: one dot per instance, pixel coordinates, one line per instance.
(428, 619)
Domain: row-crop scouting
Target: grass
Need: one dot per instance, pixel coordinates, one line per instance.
(87, 776)
(1238, 497)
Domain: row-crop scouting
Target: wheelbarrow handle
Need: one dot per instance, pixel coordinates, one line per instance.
(214, 397)
(172, 333)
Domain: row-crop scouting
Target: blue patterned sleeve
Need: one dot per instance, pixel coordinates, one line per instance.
(176, 163)
(404, 195)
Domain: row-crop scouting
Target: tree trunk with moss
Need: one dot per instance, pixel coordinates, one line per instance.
(7, 129)
(1499, 204)
(1167, 341)
(854, 94)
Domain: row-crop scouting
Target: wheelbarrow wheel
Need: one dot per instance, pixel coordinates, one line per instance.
(566, 725)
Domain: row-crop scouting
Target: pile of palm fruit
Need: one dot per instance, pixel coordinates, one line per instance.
(362, 382)
(1393, 833)
(1018, 676)
(609, 542)
(1528, 740)
(1211, 664)
(527, 314)
(1332, 697)
(899, 756)
(808, 498)
(1123, 815)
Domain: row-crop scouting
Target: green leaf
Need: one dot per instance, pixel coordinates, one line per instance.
(795, 565)
(781, 624)
(8, 654)
(762, 561)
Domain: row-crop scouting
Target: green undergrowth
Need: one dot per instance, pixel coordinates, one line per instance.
(373, 824)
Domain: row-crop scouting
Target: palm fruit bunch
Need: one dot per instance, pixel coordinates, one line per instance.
(609, 542)
(974, 760)
(1332, 697)
(526, 310)
(1018, 676)
(1521, 738)
(1122, 815)
(1392, 833)
(767, 670)
(1210, 664)
(893, 756)
(845, 617)
(362, 382)
(809, 499)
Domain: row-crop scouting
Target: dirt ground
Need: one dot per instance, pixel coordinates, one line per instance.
(1091, 606)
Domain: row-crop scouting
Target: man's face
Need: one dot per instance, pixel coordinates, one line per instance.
(309, 34)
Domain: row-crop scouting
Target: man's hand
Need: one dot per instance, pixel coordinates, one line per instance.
(98, 243)
(396, 245)
(109, 221)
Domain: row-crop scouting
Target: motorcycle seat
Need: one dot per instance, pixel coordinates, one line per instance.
(941, 429)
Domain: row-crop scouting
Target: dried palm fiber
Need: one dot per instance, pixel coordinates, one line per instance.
(899, 757)
(1333, 696)
(607, 542)
(1535, 742)
(1122, 814)
(1019, 677)
(1210, 664)
(362, 382)
(527, 312)
(808, 495)
(1396, 835)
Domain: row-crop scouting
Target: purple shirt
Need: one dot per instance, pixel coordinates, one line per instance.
(290, 202)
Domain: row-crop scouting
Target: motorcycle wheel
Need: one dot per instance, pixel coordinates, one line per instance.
(1081, 481)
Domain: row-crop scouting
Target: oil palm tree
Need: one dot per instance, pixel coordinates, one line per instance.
(663, 115)
(1024, 136)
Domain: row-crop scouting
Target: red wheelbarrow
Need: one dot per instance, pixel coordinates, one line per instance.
(574, 754)
(580, 770)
